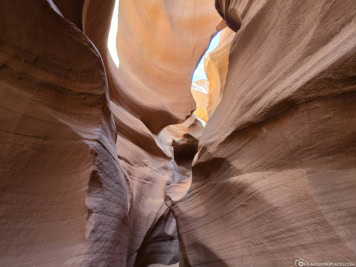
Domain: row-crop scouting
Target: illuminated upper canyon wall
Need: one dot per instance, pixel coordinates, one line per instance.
(209, 78)
(158, 47)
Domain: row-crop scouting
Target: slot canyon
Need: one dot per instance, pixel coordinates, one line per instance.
(113, 153)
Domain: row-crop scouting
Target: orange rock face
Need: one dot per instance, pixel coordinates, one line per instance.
(153, 83)
(96, 152)
(216, 67)
(150, 89)
(201, 99)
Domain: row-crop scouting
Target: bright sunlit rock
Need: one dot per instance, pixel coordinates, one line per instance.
(113, 34)
(200, 83)
(199, 73)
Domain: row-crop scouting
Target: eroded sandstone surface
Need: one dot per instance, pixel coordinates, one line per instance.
(84, 167)
(274, 179)
(103, 164)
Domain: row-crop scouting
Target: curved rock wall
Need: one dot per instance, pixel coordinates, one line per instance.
(158, 47)
(56, 138)
(94, 174)
(150, 89)
(274, 178)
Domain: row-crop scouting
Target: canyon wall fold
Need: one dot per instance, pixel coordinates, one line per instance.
(157, 47)
(94, 169)
(274, 178)
(57, 140)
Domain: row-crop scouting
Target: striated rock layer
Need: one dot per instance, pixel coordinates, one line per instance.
(57, 141)
(84, 163)
(157, 49)
(274, 178)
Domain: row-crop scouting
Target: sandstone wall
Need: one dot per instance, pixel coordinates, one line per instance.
(57, 141)
(84, 171)
(274, 178)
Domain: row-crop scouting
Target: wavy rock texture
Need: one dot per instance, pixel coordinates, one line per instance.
(83, 177)
(155, 69)
(150, 89)
(274, 178)
(56, 137)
